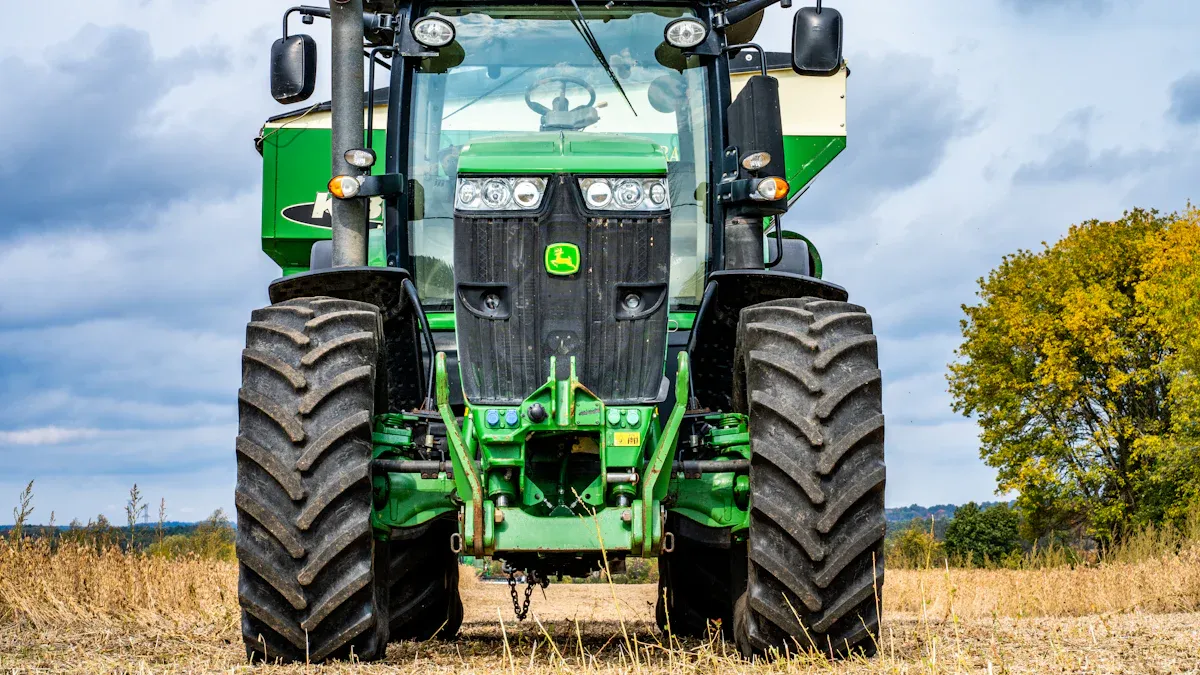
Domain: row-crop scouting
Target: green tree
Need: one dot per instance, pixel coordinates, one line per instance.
(1070, 366)
(914, 546)
(1170, 477)
(976, 535)
(212, 539)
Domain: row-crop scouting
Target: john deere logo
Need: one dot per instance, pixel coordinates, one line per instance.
(562, 259)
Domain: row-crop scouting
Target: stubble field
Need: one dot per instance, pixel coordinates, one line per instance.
(83, 611)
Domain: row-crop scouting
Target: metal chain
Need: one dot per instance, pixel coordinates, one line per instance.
(512, 588)
(533, 580)
(525, 607)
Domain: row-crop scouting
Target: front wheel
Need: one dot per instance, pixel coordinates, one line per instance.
(308, 583)
(806, 372)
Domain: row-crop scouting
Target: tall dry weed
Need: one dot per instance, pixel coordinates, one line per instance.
(1169, 582)
(82, 586)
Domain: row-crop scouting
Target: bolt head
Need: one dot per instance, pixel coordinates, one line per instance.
(627, 516)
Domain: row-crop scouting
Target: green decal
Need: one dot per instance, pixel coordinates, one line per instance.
(587, 415)
(562, 259)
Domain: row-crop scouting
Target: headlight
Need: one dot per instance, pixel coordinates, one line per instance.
(500, 193)
(628, 194)
(497, 194)
(433, 31)
(625, 194)
(598, 194)
(685, 33)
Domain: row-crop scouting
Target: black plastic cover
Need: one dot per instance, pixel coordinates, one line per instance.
(293, 68)
(756, 125)
(505, 354)
(817, 41)
(796, 258)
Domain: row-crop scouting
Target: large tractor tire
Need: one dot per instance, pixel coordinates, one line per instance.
(309, 586)
(697, 585)
(424, 597)
(806, 372)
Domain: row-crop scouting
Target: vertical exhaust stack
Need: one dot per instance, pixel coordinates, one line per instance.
(349, 215)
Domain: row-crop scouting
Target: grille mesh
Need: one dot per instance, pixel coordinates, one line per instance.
(504, 361)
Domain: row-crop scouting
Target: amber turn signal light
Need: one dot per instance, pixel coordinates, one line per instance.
(769, 190)
(344, 187)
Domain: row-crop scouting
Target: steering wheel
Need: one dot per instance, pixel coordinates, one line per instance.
(560, 102)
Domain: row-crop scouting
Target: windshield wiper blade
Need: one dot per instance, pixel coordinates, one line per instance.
(590, 39)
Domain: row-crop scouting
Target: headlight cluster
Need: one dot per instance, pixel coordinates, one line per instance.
(499, 193)
(625, 194)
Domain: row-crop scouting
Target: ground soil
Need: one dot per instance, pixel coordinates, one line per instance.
(596, 628)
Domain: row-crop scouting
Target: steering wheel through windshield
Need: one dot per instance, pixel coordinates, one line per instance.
(560, 116)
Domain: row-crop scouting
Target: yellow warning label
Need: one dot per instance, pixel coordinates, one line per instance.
(627, 438)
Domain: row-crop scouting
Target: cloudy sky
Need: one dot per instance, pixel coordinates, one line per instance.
(130, 263)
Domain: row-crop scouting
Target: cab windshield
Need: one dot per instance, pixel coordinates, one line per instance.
(503, 74)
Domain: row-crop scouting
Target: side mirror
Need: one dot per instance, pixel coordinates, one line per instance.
(817, 41)
(293, 68)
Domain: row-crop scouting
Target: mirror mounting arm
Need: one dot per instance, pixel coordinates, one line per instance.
(762, 55)
(743, 11)
(307, 11)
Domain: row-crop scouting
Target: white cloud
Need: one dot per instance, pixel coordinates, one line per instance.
(46, 436)
(121, 452)
(191, 257)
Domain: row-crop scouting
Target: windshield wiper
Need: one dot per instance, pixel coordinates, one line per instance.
(582, 26)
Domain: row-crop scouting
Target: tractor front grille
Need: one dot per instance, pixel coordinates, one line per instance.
(504, 351)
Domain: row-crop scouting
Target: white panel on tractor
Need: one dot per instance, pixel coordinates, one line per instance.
(810, 105)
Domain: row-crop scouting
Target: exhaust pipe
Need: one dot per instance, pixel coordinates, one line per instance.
(346, 62)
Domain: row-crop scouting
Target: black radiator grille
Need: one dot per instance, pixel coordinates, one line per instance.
(505, 359)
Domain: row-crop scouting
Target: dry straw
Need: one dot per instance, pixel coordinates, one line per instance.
(86, 610)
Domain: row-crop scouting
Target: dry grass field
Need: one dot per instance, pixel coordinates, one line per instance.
(80, 611)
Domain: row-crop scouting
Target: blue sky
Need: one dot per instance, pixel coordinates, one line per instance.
(130, 260)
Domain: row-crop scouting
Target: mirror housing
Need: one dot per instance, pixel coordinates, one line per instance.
(817, 41)
(293, 68)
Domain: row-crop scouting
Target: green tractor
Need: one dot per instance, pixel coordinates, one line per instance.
(546, 312)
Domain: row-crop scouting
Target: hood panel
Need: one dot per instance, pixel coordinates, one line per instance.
(563, 152)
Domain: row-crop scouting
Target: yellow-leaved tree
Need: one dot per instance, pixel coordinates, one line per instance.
(1079, 363)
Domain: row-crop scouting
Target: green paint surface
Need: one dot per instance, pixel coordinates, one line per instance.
(296, 170)
(713, 500)
(563, 152)
(550, 507)
(806, 156)
(675, 320)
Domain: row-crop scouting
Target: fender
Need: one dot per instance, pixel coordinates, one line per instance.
(714, 335)
(403, 321)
